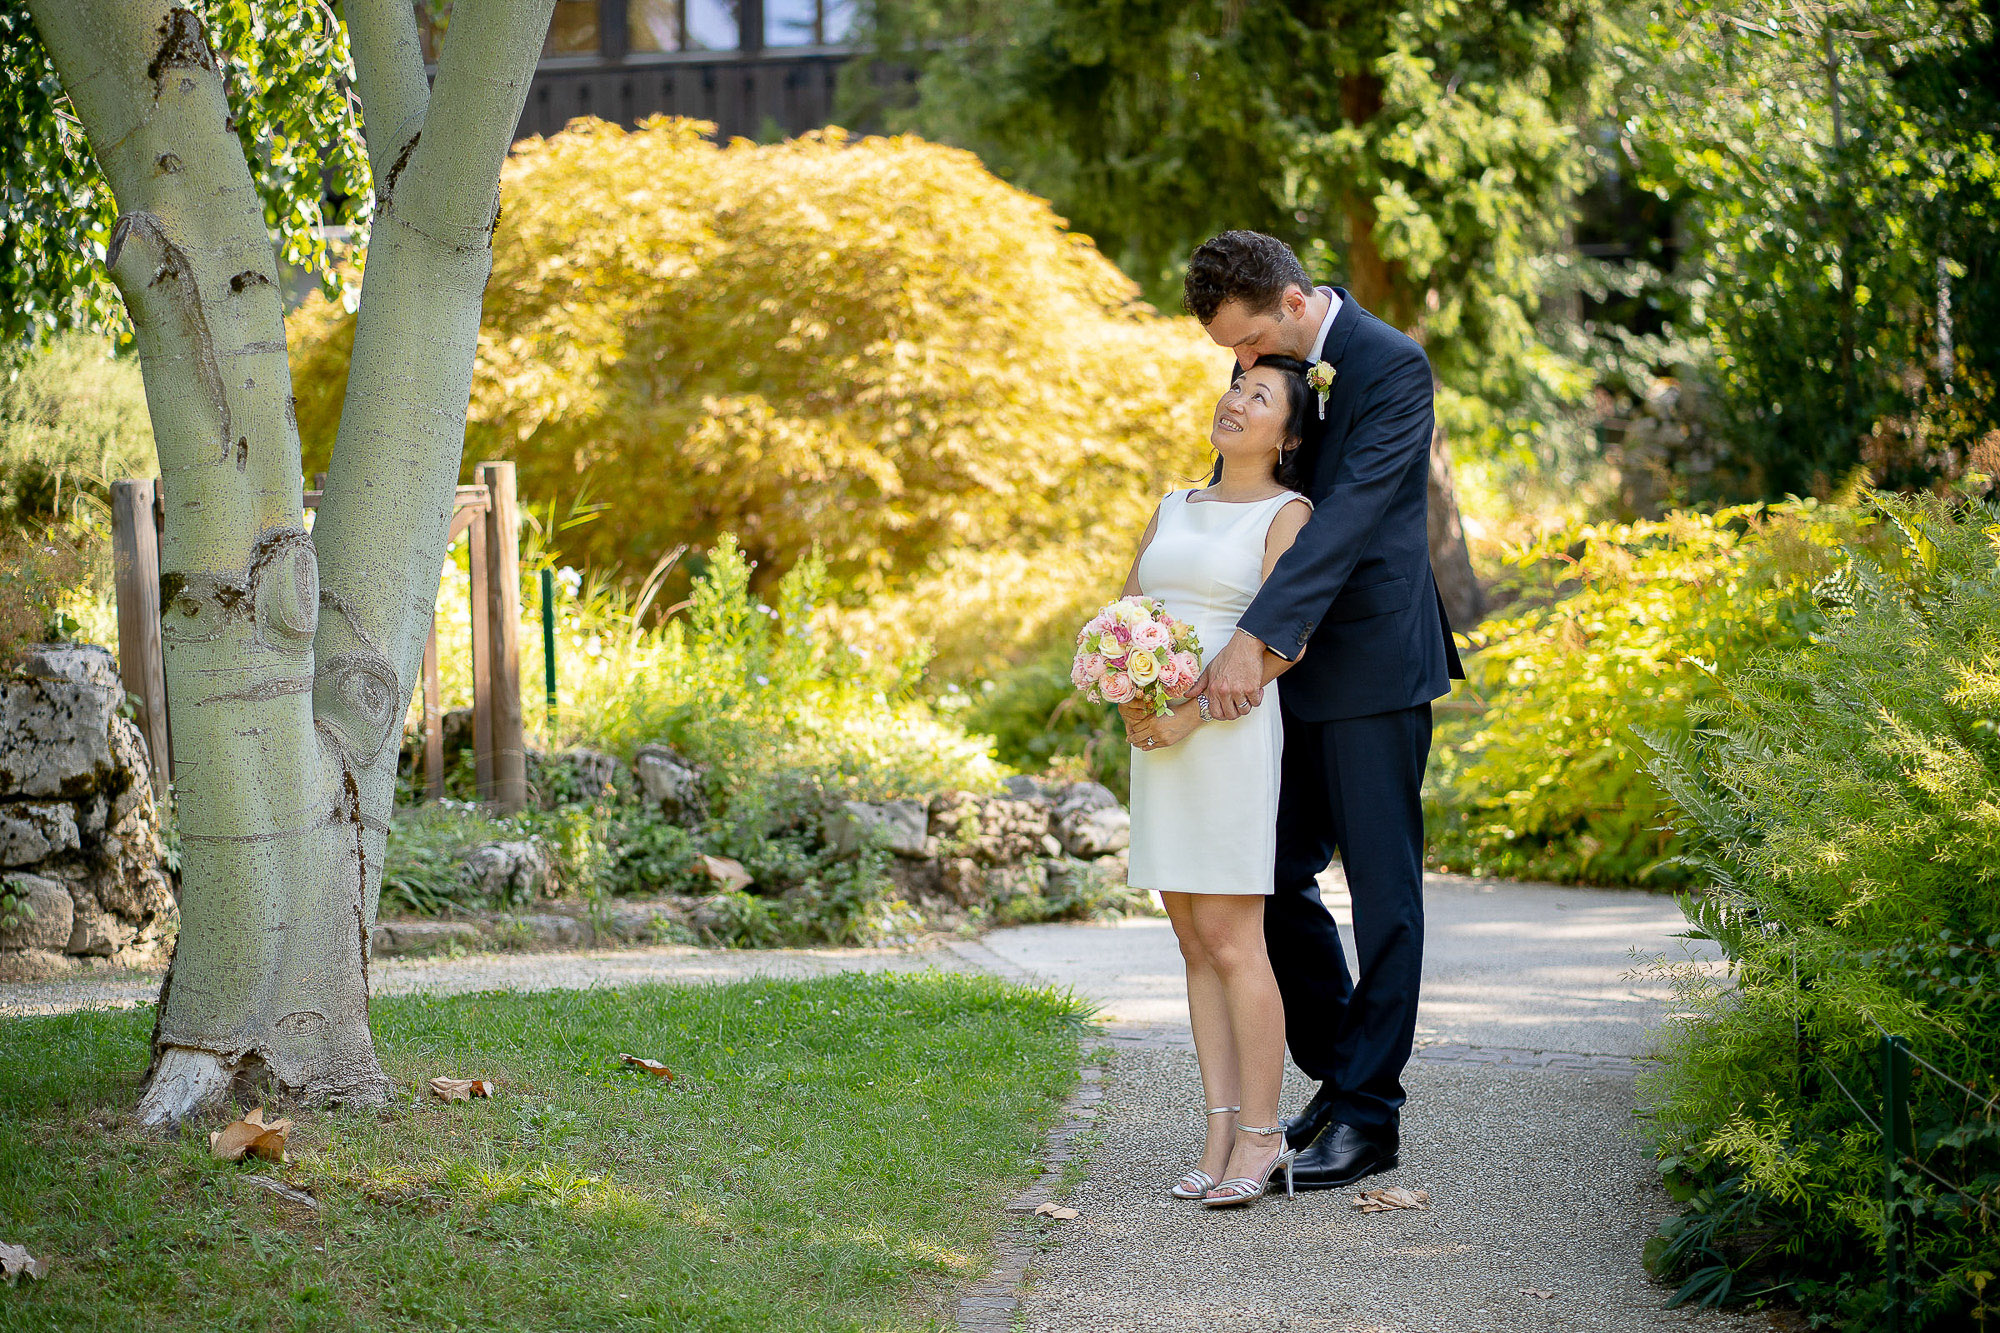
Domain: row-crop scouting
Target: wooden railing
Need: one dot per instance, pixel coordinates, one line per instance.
(484, 514)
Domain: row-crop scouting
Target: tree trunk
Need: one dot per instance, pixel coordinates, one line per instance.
(1378, 285)
(1451, 563)
(283, 715)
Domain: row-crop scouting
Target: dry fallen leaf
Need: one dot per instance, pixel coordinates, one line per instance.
(1537, 1293)
(15, 1260)
(251, 1136)
(1388, 1200)
(462, 1089)
(1057, 1211)
(653, 1067)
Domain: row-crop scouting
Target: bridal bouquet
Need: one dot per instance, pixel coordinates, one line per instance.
(1133, 649)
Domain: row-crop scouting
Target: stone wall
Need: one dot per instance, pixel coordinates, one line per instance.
(964, 849)
(81, 877)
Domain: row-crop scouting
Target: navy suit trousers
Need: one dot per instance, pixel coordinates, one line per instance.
(1352, 785)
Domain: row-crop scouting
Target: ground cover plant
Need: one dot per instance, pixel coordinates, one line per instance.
(1840, 799)
(782, 720)
(829, 1154)
(1616, 627)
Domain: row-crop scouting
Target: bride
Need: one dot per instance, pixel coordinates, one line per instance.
(1205, 791)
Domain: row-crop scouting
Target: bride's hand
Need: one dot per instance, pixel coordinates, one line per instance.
(1157, 733)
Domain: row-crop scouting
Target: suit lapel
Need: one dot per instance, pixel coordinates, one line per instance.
(1340, 397)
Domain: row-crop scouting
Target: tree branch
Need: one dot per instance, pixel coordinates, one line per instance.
(381, 527)
(452, 182)
(389, 75)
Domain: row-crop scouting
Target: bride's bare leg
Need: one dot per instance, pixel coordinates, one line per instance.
(1214, 1038)
(1231, 930)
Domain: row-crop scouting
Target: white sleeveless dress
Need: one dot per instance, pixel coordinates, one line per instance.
(1205, 811)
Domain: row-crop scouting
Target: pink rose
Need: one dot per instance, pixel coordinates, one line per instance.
(1118, 688)
(1121, 633)
(1187, 664)
(1150, 635)
(1093, 666)
(1077, 676)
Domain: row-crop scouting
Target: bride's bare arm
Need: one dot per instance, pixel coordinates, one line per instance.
(1131, 588)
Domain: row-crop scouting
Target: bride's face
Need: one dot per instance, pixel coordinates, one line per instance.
(1250, 418)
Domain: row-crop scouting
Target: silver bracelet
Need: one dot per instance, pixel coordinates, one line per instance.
(1201, 706)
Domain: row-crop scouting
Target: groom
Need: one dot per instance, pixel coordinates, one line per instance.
(1356, 597)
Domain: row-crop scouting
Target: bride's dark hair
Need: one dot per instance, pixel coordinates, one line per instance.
(1298, 399)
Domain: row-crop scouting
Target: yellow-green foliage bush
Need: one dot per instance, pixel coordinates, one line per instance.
(1619, 626)
(874, 346)
(1841, 801)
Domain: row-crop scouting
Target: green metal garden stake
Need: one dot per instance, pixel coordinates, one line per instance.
(1897, 1143)
(549, 645)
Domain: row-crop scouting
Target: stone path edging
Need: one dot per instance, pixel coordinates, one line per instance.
(989, 1307)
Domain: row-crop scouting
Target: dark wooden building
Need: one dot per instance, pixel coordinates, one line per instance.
(754, 67)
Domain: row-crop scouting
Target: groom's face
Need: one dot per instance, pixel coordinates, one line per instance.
(1249, 335)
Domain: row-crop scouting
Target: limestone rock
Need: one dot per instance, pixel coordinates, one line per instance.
(728, 876)
(1004, 882)
(390, 938)
(1092, 833)
(33, 964)
(994, 830)
(903, 825)
(95, 932)
(55, 715)
(964, 879)
(575, 775)
(46, 912)
(668, 781)
(83, 664)
(35, 831)
(1078, 796)
(1024, 788)
(507, 872)
(128, 752)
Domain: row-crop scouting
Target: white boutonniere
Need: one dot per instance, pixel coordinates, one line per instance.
(1320, 379)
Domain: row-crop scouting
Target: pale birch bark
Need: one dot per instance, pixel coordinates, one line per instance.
(288, 666)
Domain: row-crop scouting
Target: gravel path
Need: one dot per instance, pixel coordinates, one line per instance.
(1520, 1125)
(514, 972)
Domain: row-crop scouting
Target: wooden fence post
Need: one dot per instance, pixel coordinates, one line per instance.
(135, 549)
(433, 719)
(503, 620)
(482, 659)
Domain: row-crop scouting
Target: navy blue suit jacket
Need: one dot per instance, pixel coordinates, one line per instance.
(1355, 593)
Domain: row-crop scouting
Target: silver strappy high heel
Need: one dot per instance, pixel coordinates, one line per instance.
(1197, 1182)
(1239, 1190)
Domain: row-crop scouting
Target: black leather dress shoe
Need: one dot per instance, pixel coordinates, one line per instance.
(1306, 1126)
(1340, 1156)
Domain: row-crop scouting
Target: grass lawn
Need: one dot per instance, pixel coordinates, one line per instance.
(830, 1155)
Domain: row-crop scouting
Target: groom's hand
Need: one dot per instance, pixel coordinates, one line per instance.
(1234, 681)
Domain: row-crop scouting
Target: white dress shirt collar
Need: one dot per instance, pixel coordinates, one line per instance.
(1325, 325)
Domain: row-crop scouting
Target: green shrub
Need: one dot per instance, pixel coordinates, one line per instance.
(73, 420)
(39, 574)
(1841, 802)
(1618, 626)
(1039, 723)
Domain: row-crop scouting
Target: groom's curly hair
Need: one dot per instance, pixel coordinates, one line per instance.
(1245, 266)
